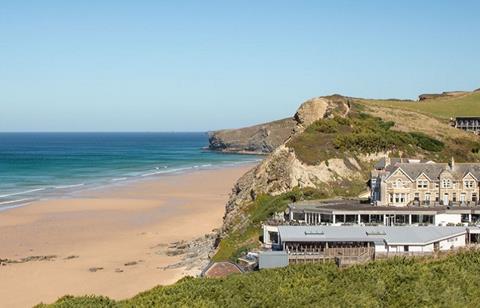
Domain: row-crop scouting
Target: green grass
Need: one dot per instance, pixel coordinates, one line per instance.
(248, 235)
(450, 281)
(445, 107)
(362, 133)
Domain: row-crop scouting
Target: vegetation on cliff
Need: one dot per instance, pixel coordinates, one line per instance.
(333, 155)
(363, 134)
(449, 281)
(246, 235)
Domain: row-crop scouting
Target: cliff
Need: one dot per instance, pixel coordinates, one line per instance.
(258, 139)
(264, 138)
(333, 145)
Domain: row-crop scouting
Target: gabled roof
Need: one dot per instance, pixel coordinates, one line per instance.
(399, 169)
(431, 170)
(470, 173)
(464, 168)
(423, 173)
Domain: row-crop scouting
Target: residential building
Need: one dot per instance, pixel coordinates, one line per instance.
(408, 182)
(471, 124)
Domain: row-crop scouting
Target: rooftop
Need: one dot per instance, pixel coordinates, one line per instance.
(358, 207)
(433, 171)
(221, 269)
(405, 235)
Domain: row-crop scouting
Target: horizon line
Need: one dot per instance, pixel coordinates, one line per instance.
(100, 132)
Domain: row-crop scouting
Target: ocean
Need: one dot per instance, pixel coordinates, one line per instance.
(50, 165)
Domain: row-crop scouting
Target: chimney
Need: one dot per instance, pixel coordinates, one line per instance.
(387, 161)
(452, 164)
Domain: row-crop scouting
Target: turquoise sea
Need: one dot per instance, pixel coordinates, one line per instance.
(46, 165)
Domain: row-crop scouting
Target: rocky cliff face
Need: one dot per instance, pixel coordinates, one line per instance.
(282, 171)
(258, 139)
(264, 138)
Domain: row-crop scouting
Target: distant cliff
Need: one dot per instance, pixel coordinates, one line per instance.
(258, 139)
(264, 138)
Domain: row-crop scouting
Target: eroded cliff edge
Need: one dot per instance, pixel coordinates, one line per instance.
(265, 138)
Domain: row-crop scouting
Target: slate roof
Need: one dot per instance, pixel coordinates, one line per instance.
(382, 163)
(392, 235)
(433, 171)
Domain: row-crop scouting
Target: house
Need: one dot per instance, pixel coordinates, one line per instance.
(403, 182)
(356, 244)
(471, 124)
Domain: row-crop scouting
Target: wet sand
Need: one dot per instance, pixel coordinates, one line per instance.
(88, 240)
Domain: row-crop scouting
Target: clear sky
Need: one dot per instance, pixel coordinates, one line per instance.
(202, 65)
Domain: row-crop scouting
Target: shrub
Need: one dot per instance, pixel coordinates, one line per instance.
(427, 143)
(450, 281)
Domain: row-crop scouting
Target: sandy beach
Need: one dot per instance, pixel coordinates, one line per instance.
(108, 242)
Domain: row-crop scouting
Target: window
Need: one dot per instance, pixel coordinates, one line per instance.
(468, 184)
(422, 184)
(391, 198)
(474, 197)
(400, 198)
(417, 197)
(398, 183)
(446, 183)
(340, 218)
(273, 237)
(454, 197)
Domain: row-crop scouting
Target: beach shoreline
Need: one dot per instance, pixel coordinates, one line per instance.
(116, 241)
(79, 190)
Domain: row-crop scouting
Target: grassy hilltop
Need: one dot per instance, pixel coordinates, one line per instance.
(450, 281)
(467, 104)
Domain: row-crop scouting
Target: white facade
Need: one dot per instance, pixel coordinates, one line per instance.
(444, 219)
(446, 244)
(267, 235)
(385, 240)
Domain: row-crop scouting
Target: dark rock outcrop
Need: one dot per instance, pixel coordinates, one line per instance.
(258, 139)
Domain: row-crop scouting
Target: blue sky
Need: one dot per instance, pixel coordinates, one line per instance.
(202, 65)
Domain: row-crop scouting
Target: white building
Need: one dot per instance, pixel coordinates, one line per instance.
(355, 244)
(354, 212)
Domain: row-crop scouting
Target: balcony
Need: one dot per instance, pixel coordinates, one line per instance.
(417, 203)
